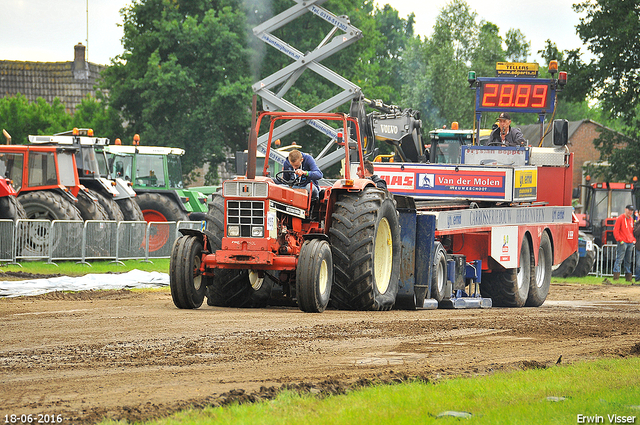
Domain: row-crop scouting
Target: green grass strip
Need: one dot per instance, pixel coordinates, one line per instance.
(597, 390)
(71, 268)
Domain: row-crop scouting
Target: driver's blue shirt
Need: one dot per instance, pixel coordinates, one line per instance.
(308, 164)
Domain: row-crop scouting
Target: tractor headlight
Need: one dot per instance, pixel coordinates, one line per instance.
(257, 232)
(233, 231)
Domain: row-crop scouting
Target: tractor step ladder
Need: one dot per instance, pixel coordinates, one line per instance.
(273, 88)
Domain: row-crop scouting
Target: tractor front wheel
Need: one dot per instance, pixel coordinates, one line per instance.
(185, 280)
(314, 276)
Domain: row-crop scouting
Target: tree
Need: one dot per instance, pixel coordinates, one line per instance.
(184, 78)
(611, 29)
(518, 48)
(93, 112)
(21, 118)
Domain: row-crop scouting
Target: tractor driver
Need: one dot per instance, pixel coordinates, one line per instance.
(368, 174)
(304, 166)
(504, 135)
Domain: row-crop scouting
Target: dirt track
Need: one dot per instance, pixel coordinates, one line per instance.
(133, 355)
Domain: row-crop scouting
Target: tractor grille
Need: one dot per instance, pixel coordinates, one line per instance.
(246, 189)
(245, 219)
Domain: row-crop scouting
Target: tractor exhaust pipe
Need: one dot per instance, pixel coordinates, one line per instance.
(7, 136)
(253, 141)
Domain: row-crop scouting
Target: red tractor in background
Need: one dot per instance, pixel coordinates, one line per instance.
(262, 232)
(10, 208)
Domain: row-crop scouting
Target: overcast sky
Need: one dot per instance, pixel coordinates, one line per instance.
(47, 30)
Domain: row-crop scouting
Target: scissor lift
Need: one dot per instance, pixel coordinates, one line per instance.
(273, 88)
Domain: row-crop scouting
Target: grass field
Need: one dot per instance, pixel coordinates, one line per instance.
(605, 389)
(71, 268)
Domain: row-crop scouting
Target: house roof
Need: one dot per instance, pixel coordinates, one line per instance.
(69, 81)
(531, 132)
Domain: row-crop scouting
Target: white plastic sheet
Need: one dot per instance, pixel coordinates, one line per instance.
(133, 279)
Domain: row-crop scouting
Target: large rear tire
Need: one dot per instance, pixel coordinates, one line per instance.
(11, 209)
(510, 287)
(185, 280)
(314, 276)
(233, 287)
(585, 264)
(90, 209)
(541, 278)
(109, 206)
(130, 209)
(43, 205)
(365, 241)
(567, 266)
(158, 208)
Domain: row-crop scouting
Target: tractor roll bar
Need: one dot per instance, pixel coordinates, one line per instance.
(275, 116)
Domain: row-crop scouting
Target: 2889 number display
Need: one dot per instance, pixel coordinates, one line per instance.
(510, 96)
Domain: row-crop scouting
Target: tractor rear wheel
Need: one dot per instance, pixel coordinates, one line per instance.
(109, 205)
(541, 278)
(11, 209)
(585, 264)
(158, 208)
(130, 209)
(90, 209)
(44, 205)
(567, 266)
(233, 287)
(365, 241)
(510, 287)
(314, 276)
(185, 280)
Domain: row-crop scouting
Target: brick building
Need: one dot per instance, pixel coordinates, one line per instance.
(581, 136)
(69, 81)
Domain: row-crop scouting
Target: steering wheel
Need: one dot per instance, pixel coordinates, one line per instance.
(494, 143)
(290, 181)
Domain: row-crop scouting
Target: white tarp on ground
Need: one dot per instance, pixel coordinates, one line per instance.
(132, 279)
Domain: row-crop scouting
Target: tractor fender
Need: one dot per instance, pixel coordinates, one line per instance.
(200, 234)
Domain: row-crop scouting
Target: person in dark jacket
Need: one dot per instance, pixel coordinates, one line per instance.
(368, 174)
(304, 166)
(504, 135)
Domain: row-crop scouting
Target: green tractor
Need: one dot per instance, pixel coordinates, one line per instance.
(156, 176)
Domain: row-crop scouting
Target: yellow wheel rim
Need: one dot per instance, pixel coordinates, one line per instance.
(323, 277)
(383, 256)
(255, 280)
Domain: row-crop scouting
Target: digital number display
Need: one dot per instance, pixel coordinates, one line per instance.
(515, 96)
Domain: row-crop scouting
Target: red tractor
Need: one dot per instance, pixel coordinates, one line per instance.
(263, 235)
(10, 208)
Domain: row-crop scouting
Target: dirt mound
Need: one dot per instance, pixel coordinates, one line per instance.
(9, 275)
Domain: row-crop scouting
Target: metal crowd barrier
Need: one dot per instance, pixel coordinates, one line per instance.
(606, 258)
(90, 240)
(6, 243)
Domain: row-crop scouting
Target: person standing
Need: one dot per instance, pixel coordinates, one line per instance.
(636, 234)
(623, 233)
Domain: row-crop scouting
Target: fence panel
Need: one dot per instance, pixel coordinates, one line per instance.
(100, 238)
(159, 239)
(7, 239)
(131, 240)
(66, 240)
(32, 240)
(607, 260)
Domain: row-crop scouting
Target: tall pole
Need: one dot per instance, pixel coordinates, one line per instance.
(87, 40)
